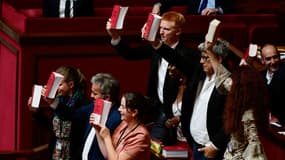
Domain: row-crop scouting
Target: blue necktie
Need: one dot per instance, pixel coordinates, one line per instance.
(203, 6)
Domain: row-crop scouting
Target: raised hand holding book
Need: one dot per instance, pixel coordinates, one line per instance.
(118, 16)
(36, 95)
(151, 28)
(101, 109)
(210, 36)
(53, 84)
(252, 50)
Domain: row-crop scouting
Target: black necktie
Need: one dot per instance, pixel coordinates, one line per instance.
(203, 6)
(67, 8)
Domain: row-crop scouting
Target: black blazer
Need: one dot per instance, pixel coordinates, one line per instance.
(81, 8)
(82, 126)
(276, 90)
(147, 52)
(215, 106)
(214, 115)
(193, 5)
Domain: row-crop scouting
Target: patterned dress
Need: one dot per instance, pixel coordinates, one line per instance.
(62, 124)
(251, 148)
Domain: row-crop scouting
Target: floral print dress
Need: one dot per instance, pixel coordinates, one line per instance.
(62, 124)
(251, 148)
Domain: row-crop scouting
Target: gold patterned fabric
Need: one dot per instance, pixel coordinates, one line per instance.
(251, 148)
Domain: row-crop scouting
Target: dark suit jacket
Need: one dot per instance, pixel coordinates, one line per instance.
(147, 52)
(82, 124)
(276, 90)
(215, 105)
(80, 8)
(214, 115)
(193, 5)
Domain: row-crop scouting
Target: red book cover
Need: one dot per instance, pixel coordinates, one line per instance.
(151, 28)
(101, 110)
(148, 25)
(175, 152)
(52, 84)
(118, 16)
(115, 16)
(36, 95)
(174, 148)
(49, 84)
(98, 106)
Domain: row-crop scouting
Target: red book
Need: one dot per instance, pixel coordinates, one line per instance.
(214, 24)
(36, 95)
(101, 110)
(52, 84)
(252, 50)
(118, 16)
(174, 152)
(151, 28)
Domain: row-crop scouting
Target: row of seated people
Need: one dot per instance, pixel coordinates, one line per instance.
(239, 29)
(173, 96)
(88, 7)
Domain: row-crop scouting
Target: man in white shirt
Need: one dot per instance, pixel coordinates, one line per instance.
(161, 88)
(274, 76)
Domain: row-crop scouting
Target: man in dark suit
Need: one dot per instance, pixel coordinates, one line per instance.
(274, 76)
(67, 8)
(203, 104)
(104, 86)
(197, 7)
(161, 88)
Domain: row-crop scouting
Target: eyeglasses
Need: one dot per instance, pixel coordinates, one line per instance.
(271, 57)
(204, 57)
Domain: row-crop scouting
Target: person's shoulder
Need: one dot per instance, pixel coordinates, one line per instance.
(282, 67)
(143, 133)
(280, 73)
(86, 108)
(182, 46)
(114, 118)
(144, 130)
(114, 112)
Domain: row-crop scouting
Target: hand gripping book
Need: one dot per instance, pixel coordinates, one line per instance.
(36, 95)
(151, 28)
(101, 110)
(252, 50)
(52, 84)
(174, 152)
(118, 16)
(212, 30)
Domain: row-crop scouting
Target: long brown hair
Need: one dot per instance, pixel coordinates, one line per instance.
(73, 74)
(248, 91)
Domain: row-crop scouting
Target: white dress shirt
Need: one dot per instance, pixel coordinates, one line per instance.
(198, 123)
(62, 8)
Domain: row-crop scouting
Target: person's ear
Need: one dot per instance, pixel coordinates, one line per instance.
(262, 60)
(135, 112)
(71, 84)
(179, 31)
